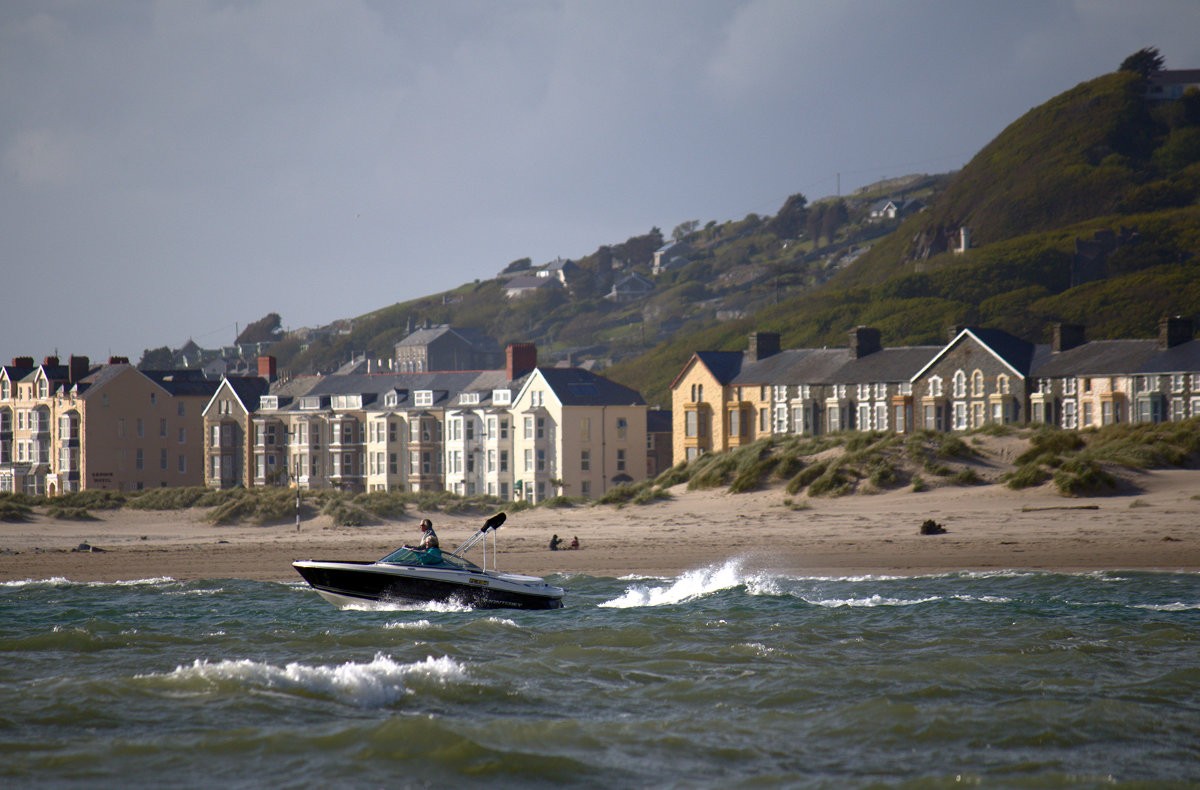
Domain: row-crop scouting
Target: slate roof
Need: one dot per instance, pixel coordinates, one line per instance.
(1098, 358)
(885, 365)
(1121, 357)
(723, 365)
(249, 390)
(472, 337)
(658, 421)
(183, 382)
(579, 387)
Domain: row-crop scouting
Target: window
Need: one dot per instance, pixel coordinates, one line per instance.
(541, 427)
(139, 460)
(162, 459)
(528, 427)
(960, 384)
(935, 387)
(585, 429)
(977, 384)
(881, 415)
(864, 416)
(735, 422)
(690, 423)
(503, 428)
(183, 435)
(585, 461)
(424, 397)
(504, 460)
(960, 416)
(529, 460)
(622, 427)
(541, 460)
(153, 398)
(764, 420)
(620, 460)
(1070, 386)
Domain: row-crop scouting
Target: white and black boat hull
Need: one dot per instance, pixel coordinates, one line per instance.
(345, 583)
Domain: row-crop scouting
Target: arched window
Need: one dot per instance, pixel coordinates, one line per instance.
(977, 384)
(935, 387)
(960, 384)
(1003, 385)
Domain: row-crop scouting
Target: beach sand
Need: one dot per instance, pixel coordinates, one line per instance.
(1152, 523)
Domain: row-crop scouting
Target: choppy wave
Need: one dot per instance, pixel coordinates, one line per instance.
(692, 584)
(373, 684)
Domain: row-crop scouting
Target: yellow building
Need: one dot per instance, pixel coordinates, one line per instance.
(79, 427)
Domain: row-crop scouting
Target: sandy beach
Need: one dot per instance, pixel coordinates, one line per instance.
(1153, 525)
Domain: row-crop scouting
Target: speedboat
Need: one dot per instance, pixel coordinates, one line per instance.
(409, 574)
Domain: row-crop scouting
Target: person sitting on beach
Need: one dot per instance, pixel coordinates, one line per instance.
(574, 543)
(555, 542)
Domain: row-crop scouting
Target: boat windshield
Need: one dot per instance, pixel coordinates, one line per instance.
(429, 558)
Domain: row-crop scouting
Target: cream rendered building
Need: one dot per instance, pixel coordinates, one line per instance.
(576, 434)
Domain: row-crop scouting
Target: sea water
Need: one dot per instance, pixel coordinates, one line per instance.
(722, 677)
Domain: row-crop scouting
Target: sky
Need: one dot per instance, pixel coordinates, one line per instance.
(176, 170)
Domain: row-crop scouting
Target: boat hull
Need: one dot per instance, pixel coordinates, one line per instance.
(345, 583)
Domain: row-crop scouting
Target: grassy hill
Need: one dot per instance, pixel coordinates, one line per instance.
(1097, 159)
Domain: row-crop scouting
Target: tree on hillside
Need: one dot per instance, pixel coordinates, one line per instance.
(1145, 62)
(157, 359)
(519, 265)
(835, 216)
(791, 219)
(267, 329)
(685, 229)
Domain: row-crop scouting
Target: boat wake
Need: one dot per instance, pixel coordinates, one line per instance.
(693, 584)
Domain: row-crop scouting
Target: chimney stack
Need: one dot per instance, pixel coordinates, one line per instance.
(1066, 337)
(266, 368)
(763, 345)
(77, 368)
(50, 361)
(864, 340)
(520, 358)
(22, 362)
(1174, 330)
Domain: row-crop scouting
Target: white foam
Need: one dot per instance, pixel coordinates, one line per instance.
(874, 600)
(692, 584)
(1178, 606)
(376, 683)
(53, 581)
(406, 606)
(413, 624)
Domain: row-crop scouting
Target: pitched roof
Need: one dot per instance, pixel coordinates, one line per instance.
(1096, 358)
(1121, 357)
(1021, 356)
(723, 365)
(472, 337)
(579, 387)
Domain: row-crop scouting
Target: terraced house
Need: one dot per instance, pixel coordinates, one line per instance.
(78, 426)
(518, 432)
(724, 399)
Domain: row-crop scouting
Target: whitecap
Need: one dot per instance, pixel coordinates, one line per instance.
(414, 624)
(874, 600)
(1178, 606)
(376, 683)
(693, 584)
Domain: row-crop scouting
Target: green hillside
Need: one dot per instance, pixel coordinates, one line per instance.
(1097, 159)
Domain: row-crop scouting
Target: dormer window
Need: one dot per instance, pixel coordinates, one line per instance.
(310, 404)
(391, 400)
(424, 397)
(501, 397)
(269, 402)
(469, 398)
